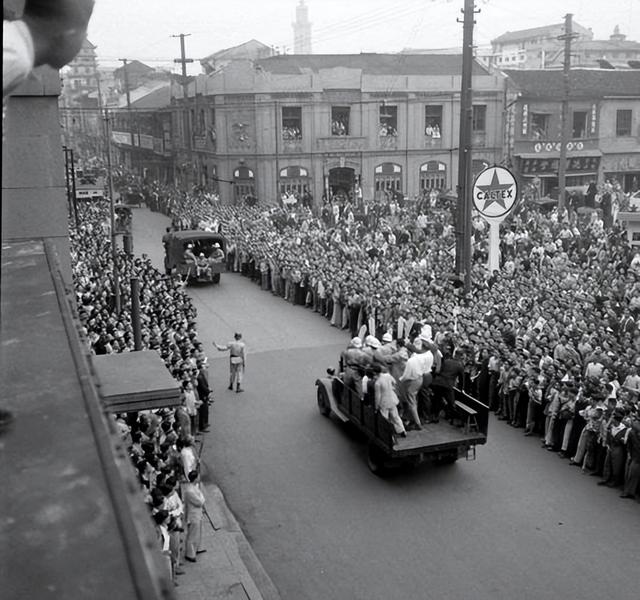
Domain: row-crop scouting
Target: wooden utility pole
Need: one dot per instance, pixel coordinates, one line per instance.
(568, 36)
(185, 91)
(463, 214)
(127, 92)
(112, 216)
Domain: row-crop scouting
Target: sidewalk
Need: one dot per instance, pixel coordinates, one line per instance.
(229, 569)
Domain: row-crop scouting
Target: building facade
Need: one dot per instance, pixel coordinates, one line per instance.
(536, 48)
(541, 48)
(604, 127)
(352, 125)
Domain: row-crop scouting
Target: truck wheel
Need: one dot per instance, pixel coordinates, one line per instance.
(376, 461)
(448, 459)
(323, 402)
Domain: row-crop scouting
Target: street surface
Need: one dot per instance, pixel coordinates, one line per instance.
(517, 523)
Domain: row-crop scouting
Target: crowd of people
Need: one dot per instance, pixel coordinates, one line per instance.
(545, 340)
(550, 341)
(162, 443)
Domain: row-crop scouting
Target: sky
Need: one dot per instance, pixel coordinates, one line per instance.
(143, 29)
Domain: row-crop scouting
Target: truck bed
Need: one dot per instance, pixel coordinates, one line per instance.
(435, 436)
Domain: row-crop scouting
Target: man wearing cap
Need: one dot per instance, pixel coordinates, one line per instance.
(353, 362)
(217, 254)
(237, 357)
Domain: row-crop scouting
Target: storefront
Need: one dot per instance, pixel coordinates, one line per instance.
(623, 168)
(541, 160)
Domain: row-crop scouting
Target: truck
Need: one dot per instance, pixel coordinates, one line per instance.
(210, 247)
(442, 442)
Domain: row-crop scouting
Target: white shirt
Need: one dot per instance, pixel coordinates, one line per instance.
(417, 366)
(18, 55)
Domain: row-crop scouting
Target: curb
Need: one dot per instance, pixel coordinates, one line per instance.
(258, 584)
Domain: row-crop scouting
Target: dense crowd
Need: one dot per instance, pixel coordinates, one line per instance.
(550, 341)
(547, 341)
(161, 443)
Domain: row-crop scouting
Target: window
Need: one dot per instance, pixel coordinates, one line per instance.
(387, 181)
(579, 124)
(433, 120)
(340, 120)
(623, 123)
(388, 120)
(433, 176)
(291, 123)
(479, 117)
(294, 180)
(539, 126)
(244, 181)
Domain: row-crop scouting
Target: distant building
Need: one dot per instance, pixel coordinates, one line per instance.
(251, 50)
(540, 48)
(358, 126)
(133, 74)
(79, 103)
(536, 48)
(604, 124)
(616, 52)
(302, 30)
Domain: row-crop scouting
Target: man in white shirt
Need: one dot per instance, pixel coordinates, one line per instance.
(419, 364)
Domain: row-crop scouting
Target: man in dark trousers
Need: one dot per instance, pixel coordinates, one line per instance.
(451, 373)
(204, 393)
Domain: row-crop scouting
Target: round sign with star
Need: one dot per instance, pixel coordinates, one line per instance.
(495, 191)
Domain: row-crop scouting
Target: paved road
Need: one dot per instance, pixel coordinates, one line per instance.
(516, 523)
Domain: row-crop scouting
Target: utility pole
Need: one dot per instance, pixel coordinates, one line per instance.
(185, 90)
(463, 213)
(112, 216)
(568, 36)
(127, 92)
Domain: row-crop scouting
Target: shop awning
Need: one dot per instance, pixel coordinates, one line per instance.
(133, 381)
(556, 154)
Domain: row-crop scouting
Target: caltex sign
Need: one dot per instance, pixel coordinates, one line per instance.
(495, 192)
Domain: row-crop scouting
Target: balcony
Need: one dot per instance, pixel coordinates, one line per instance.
(342, 143)
(432, 142)
(387, 142)
(292, 145)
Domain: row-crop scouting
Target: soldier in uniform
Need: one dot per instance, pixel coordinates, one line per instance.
(237, 354)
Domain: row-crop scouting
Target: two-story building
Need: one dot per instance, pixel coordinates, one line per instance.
(141, 134)
(358, 125)
(604, 126)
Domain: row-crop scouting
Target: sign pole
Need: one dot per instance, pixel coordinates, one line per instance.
(494, 246)
(495, 193)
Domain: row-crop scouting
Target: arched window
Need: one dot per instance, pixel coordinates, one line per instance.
(433, 176)
(244, 183)
(387, 178)
(294, 180)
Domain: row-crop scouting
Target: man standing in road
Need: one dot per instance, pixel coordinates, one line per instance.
(237, 354)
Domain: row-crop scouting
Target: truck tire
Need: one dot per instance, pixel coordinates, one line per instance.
(323, 401)
(449, 459)
(376, 461)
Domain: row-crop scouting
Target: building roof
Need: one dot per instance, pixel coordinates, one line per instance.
(370, 64)
(244, 50)
(583, 83)
(149, 99)
(607, 45)
(134, 66)
(534, 32)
